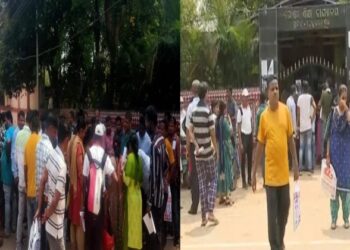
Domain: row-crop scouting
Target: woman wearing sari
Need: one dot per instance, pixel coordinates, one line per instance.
(76, 159)
(132, 177)
(338, 135)
(225, 154)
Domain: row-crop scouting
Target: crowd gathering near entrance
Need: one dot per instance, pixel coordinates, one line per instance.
(224, 140)
(89, 182)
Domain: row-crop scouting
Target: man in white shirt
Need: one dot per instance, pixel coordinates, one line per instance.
(54, 174)
(190, 150)
(183, 160)
(94, 223)
(291, 104)
(245, 136)
(143, 138)
(305, 116)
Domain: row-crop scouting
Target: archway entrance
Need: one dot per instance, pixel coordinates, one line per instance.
(316, 37)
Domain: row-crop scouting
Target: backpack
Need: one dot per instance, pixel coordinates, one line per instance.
(95, 184)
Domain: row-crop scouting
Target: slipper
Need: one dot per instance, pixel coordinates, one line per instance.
(229, 203)
(214, 220)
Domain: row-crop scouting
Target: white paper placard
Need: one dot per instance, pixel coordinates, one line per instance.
(264, 67)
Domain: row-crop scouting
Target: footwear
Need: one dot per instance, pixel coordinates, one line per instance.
(346, 225)
(212, 218)
(204, 223)
(244, 186)
(333, 226)
(192, 212)
(228, 202)
(222, 200)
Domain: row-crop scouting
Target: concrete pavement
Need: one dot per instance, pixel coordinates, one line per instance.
(243, 226)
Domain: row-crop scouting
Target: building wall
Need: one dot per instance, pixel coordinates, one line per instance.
(21, 102)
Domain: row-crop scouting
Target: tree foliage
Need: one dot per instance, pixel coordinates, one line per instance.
(219, 42)
(92, 53)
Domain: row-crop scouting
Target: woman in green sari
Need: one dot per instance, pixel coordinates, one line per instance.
(225, 154)
(132, 178)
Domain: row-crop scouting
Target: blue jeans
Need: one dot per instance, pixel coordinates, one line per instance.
(313, 149)
(10, 214)
(31, 209)
(305, 147)
(21, 210)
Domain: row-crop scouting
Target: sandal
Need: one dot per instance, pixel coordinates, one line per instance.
(228, 202)
(214, 220)
(222, 201)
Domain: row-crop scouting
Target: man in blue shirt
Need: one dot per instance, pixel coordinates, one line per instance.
(6, 173)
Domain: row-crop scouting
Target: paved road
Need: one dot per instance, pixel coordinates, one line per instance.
(10, 244)
(244, 225)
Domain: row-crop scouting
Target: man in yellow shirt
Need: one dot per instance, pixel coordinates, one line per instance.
(30, 166)
(276, 136)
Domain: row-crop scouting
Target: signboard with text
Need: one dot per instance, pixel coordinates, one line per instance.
(311, 18)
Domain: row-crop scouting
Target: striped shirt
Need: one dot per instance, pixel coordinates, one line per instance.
(57, 170)
(202, 122)
(158, 167)
(42, 155)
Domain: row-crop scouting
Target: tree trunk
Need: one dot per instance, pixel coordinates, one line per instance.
(113, 20)
(56, 86)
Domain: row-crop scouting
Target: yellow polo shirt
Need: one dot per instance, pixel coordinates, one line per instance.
(274, 130)
(169, 151)
(30, 164)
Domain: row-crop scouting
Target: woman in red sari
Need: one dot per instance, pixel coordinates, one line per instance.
(76, 159)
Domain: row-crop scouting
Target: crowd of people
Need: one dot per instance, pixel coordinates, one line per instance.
(223, 141)
(88, 183)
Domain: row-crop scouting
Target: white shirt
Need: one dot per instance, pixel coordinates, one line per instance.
(57, 170)
(144, 143)
(293, 111)
(304, 104)
(182, 118)
(190, 108)
(97, 153)
(146, 162)
(21, 141)
(245, 119)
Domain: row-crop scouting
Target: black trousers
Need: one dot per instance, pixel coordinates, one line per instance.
(44, 244)
(247, 141)
(158, 217)
(194, 181)
(278, 202)
(175, 202)
(94, 230)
